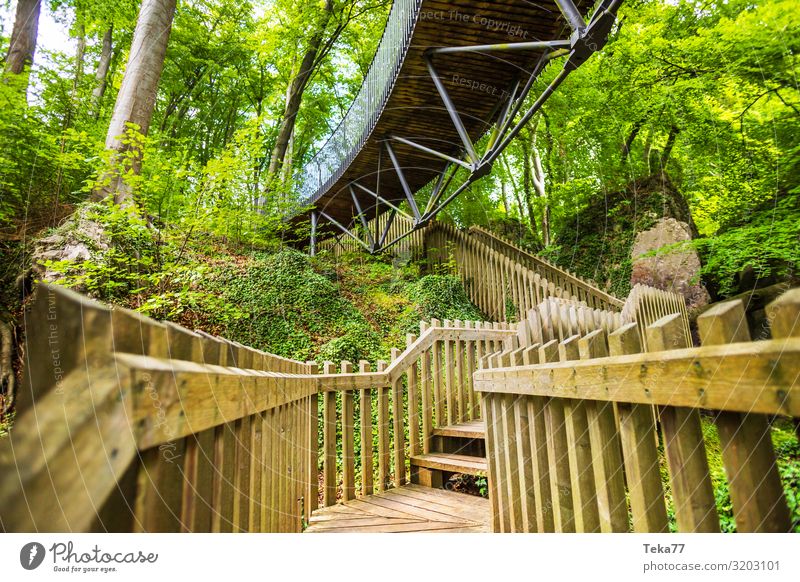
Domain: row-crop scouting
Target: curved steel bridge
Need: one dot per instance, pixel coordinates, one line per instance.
(447, 91)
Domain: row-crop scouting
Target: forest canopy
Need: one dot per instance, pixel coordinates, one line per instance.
(702, 93)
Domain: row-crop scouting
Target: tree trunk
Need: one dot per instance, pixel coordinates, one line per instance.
(626, 147)
(673, 135)
(504, 196)
(101, 75)
(137, 94)
(533, 175)
(80, 52)
(546, 225)
(23, 37)
(547, 170)
(296, 89)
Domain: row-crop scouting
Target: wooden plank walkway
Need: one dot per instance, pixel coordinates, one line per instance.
(410, 508)
(473, 429)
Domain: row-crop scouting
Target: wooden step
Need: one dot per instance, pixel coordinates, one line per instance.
(474, 429)
(451, 463)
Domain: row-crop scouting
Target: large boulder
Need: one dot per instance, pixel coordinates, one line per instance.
(674, 269)
(80, 238)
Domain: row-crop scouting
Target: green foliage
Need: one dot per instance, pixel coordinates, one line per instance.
(787, 451)
(358, 342)
(290, 307)
(123, 253)
(715, 81)
(768, 242)
(442, 297)
(597, 240)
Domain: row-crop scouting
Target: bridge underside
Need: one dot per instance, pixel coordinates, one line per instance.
(460, 96)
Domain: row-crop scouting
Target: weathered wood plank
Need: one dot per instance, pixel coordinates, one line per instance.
(584, 497)
(750, 464)
(427, 396)
(692, 492)
(609, 473)
(398, 436)
(383, 434)
(714, 379)
(640, 453)
(365, 417)
(413, 403)
(348, 440)
(557, 453)
(329, 441)
(64, 436)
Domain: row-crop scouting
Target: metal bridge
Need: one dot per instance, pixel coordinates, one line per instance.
(447, 91)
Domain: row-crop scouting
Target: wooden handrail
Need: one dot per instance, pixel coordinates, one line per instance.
(437, 367)
(702, 377)
(571, 424)
(548, 267)
(399, 366)
(550, 270)
(131, 424)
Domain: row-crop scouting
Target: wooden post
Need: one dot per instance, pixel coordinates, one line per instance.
(497, 489)
(637, 435)
(692, 492)
(312, 491)
(609, 473)
(747, 453)
(784, 320)
(540, 465)
(584, 496)
(399, 433)
(436, 350)
(449, 372)
(348, 440)
(461, 379)
(413, 402)
(365, 415)
(383, 433)
(557, 452)
(427, 403)
(472, 397)
(329, 440)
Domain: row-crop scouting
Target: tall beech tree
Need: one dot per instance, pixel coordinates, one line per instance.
(329, 24)
(136, 99)
(313, 54)
(101, 74)
(23, 37)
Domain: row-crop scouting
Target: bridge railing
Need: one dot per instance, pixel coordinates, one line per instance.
(571, 283)
(128, 424)
(333, 158)
(578, 428)
(410, 247)
(501, 286)
(379, 418)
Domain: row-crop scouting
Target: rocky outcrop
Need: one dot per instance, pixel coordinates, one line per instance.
(673, 269)
(78, 239)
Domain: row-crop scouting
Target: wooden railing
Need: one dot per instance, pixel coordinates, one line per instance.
(410, 247)
(646, 305)
(572, 284)
(127, 424)
(573, 443)
(500, 286)
(392, 412)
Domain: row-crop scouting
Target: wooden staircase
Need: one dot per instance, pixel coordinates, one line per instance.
(455, 449)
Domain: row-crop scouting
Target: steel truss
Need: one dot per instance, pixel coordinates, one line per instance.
(585, 39)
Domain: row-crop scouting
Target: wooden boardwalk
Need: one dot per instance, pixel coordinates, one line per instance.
(411, 508)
